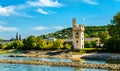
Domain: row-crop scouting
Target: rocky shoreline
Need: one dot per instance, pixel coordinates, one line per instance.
(67, 64)
(70, 55)
(102, 56)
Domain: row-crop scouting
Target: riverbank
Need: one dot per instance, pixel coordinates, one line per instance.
(6, 51)
(66, 54)
(75, 56)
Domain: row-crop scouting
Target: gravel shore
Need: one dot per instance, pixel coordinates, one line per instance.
(102, 56)
(67, 64)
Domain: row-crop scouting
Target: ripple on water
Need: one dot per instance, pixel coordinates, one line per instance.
(22, 67)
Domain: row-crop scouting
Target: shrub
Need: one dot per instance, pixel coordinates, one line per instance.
(67, 46)
(88, 44)
(1, 46)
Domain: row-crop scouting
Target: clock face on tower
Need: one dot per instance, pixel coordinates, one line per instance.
(76, 35)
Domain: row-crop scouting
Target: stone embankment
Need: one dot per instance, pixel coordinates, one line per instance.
(68, 64)
(102, 56)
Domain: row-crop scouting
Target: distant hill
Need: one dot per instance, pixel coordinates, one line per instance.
(90, 31)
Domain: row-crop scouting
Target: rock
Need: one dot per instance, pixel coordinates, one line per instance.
(69, 64)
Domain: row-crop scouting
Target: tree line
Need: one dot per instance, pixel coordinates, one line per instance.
(36, 43)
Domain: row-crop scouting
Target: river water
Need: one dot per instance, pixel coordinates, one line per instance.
(23, 67)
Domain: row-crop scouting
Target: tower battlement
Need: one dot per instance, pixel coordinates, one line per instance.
(77, 27)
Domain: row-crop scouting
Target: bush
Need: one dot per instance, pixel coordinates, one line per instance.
(1, 46)
(112, 45)
(88, 44)
(14, 45)
(67, 46)
(94, 44)
(58, 44)
(9, 45)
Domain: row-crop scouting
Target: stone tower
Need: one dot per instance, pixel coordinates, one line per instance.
(78, 35)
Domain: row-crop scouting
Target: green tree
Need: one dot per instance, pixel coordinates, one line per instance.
(114, 27)
(104, 36)
(40, 43)
(68, 46)
(58, 44)
(49, 45)
(30, 42)
(9, 45)
(113, 44)
(88, 44)
(1, 46)
(94, 44)
(14, 45)
(18, 44)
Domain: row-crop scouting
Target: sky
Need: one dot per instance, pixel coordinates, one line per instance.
(38, 17)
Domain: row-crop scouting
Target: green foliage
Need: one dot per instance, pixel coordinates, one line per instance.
(113, 44)
(58, 44)
(40, 43)
(89, 50)
(88, 44)
(114, 27)
(1, 46)
(9, 45)
(14, 45)
(67, 46)
(90, 31)
(104, 36)
(17, 44)
(91, 44)
(30, 42)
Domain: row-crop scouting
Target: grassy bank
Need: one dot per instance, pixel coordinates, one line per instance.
(6, 51)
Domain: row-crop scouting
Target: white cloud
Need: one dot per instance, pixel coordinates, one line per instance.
(42, 11)
(2, 28)
(40, 28)
(45, 3)
(90, 2)
(58, 27)
(7, 11)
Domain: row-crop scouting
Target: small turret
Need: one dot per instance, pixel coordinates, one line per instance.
(74, 22)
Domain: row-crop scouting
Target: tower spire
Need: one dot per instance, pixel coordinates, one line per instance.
(74, 21)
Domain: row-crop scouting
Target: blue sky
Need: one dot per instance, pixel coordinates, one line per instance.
(37, 17)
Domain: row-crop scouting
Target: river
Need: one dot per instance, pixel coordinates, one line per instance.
(23, 67)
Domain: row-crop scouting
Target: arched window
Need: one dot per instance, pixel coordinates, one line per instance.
(77, 35)
(77, 42)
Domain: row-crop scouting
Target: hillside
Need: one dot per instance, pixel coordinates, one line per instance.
(90, 31)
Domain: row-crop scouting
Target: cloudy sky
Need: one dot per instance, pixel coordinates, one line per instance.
(37, 17)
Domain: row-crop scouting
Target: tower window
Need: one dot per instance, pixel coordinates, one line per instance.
(77, 42)
(77, 35)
